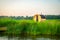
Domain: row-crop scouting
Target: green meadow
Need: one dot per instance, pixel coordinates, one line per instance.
(29, 27)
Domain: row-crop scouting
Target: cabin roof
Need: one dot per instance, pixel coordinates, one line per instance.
(42, 16)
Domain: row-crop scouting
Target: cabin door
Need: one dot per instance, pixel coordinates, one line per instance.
(36, 18)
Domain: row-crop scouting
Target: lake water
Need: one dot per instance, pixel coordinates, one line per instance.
(31, 38)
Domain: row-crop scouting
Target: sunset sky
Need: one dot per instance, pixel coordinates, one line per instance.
(29, 7)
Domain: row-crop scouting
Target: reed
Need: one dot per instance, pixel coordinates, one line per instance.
(30, 27)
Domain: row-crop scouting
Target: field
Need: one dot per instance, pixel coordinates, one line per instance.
(29, 27)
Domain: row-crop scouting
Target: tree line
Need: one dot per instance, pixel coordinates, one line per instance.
(31, 17)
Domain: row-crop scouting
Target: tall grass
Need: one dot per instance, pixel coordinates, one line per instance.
(30, 27)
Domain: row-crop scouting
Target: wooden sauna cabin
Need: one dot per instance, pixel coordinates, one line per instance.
(38, 18)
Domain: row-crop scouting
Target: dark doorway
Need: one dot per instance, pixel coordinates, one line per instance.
(37, 18)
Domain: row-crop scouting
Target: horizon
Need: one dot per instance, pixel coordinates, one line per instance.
(29, 8)
(26, 15)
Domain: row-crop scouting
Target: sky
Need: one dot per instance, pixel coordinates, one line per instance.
(29, 7)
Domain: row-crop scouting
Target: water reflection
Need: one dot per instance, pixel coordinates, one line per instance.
(3, 38)
(44, 37)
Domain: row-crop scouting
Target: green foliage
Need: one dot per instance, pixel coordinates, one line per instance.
(6, 21)
(30, 27)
